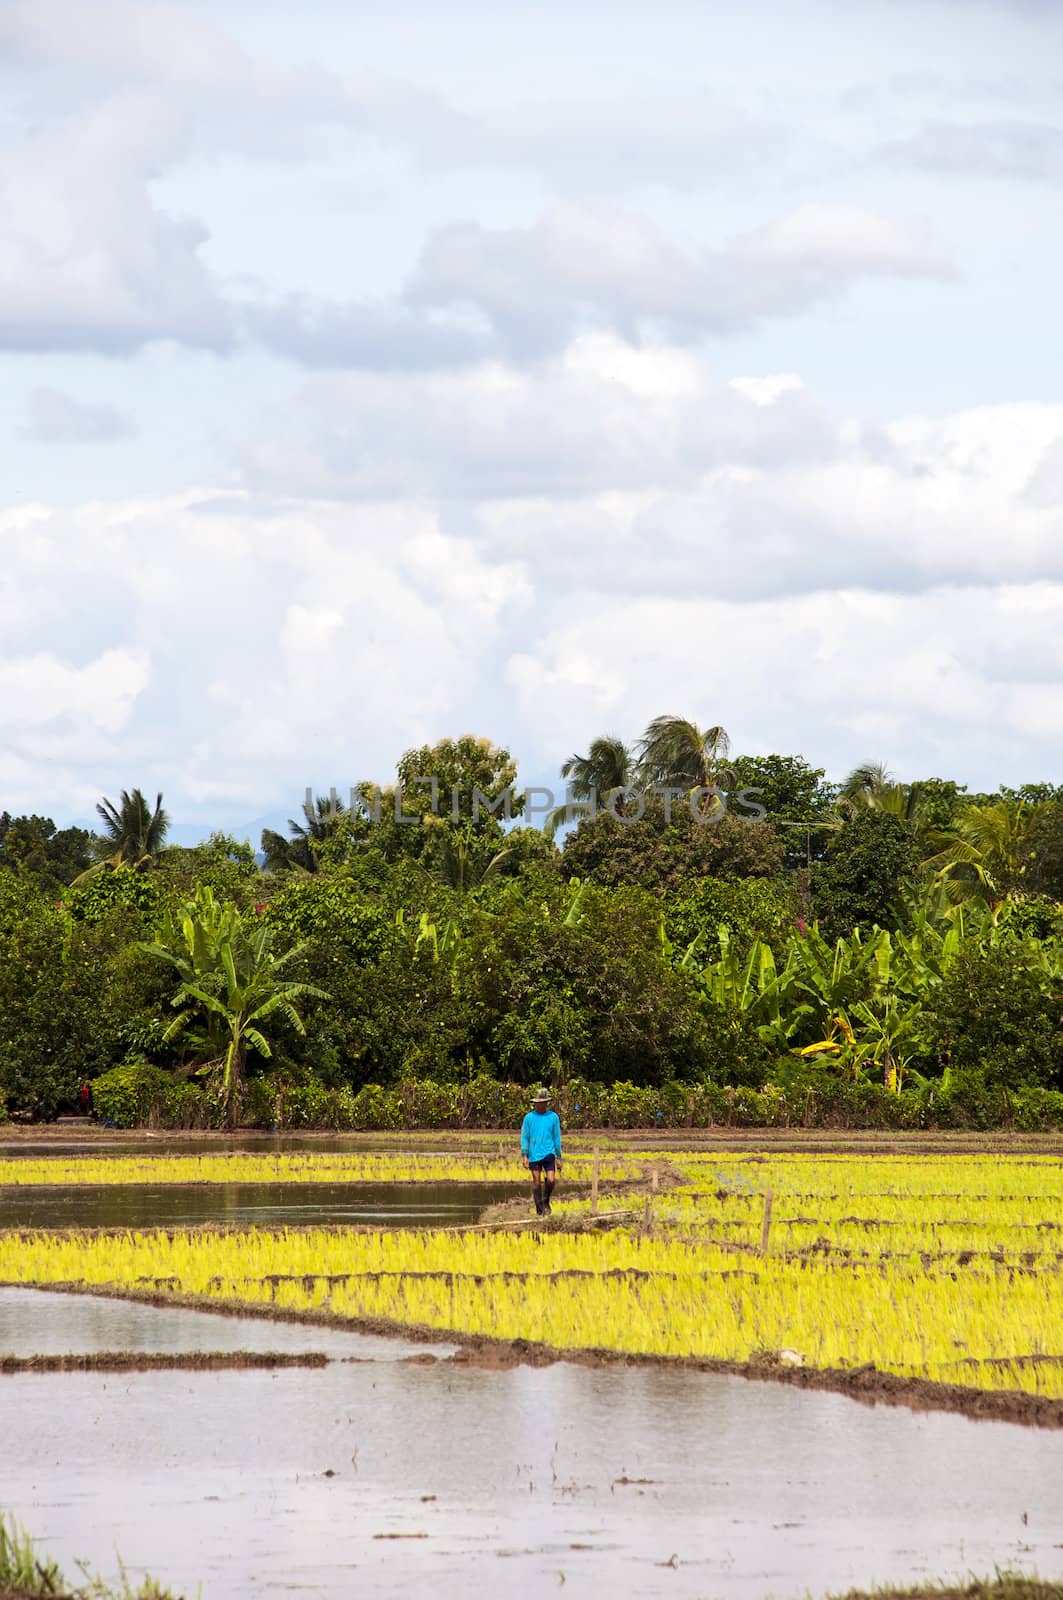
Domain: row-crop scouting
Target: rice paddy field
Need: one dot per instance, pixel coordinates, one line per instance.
(369, 1366)
(943, 1268)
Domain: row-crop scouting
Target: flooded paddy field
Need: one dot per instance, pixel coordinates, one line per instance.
(435, 1435)
(148, 1205)
(392, 1476)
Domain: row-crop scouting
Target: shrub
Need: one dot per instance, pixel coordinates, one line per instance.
(1003, 1016)
(110, 889)
(129, 1096)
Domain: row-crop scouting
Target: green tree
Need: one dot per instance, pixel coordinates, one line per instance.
(322, 821)
(1001, 1012)
(57, 1017)
(231, 983)
(1046, 846)
(989, 852)
(940, 800)
(133, 831)
(224, 864)
(460, 780)
(99, 894)
(795, 798)
(608, 768)
(462, 866)
(869, 787)
(664, 853)
(134, 834)
(675, 753)
(864, 871)
(33, 847)
(750, 908)
(579, 986)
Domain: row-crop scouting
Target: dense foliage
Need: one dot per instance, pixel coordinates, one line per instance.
(745, 941)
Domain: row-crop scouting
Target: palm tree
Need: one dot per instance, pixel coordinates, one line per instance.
(676, 754)
(459, 867)
(870, 787)
(133, 835)
(986, 853)
(607, 768)
(299, 852)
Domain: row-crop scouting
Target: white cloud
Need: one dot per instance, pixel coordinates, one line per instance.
(289, 643)
(841, 676)
(54, 417)
(87, 260)
(817, 586)
(582, 265)
(603, 416)
(1024, 149)
(844, 241)
(41, 689)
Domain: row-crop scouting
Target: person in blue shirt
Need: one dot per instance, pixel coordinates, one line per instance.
(540, 1145)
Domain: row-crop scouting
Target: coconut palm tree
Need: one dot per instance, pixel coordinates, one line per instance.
(608, 767)
(133, 835)
(675, 753)
(870, 787)
(987, 852)
(299, 852)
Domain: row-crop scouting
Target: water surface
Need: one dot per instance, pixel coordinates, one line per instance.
(45, 1323)
(111, 1145)
(392, 1479)
(148, 1205)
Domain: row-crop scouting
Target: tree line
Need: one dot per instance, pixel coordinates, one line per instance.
(899, 941)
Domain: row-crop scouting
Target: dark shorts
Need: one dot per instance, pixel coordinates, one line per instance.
(547, 1164)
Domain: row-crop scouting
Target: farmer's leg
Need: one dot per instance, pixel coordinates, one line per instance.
(549, 1179)
(537, 1186)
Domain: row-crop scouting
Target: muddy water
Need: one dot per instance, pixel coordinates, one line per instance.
(444, 1475)
(104, 1143)
(42, 1323)
(147, 1205)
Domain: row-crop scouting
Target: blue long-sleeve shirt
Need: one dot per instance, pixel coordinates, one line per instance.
(540, 1135)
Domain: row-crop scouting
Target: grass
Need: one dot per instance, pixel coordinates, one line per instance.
(255, 1167)
(24, 1575)
(1007, 1586)
(943, 1268)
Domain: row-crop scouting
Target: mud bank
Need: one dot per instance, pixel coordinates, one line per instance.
(180, 1361)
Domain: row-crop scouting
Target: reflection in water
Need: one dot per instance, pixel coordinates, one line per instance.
(119, 1205)
(214, 1144)
(43, 1322)
(651, 1482)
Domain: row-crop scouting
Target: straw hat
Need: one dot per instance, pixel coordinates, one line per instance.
(541, 1097)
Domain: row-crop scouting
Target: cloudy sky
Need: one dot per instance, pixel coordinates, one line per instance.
(525, 371)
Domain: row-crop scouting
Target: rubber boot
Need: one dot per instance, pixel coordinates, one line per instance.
(548, 1189)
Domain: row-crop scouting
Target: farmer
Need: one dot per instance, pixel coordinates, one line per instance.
(540, 1145)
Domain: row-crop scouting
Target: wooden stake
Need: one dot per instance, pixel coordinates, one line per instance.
(594, 1184)
(766, 1229)
(656, 1179)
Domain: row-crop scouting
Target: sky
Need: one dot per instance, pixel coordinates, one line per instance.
(368, 378)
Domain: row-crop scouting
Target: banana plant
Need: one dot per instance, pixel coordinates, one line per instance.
(757, 988)
(438, 941)
(230, 985)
